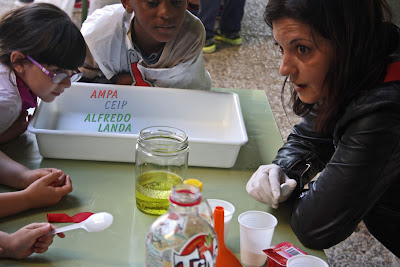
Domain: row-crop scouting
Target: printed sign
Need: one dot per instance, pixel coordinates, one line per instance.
(113, 119)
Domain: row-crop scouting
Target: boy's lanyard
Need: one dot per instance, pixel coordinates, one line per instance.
(393, 72)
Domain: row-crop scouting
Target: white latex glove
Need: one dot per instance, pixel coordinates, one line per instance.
(270, 185)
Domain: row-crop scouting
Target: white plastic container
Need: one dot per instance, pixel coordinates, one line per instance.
(102, 122)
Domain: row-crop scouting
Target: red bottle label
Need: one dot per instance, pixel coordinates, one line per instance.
(197, 252)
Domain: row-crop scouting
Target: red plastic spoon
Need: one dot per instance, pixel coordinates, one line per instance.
(225, 256)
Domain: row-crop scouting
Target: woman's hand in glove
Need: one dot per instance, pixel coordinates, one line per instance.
(270, 185)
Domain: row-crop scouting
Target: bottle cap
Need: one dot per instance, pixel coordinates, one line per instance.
(194, 182)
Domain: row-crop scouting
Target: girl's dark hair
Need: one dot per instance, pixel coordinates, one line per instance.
(44, 32)
(361, 34)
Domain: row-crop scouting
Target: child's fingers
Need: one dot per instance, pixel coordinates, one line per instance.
(45, 237)
(61, 235)
(40, 249)
(52, 177)
(62, 189)
(67, 187)
(44, 241)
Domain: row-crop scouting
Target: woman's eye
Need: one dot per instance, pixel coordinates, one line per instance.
(302, 49)
(280, 49)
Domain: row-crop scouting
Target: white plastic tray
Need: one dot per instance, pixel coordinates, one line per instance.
(79, 124)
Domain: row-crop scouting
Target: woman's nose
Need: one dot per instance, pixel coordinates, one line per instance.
(288, 65)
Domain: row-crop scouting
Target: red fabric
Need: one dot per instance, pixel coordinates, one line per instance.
(28, 98)
(62, 217)
(137, 76)
(78, 4)
(393, 72)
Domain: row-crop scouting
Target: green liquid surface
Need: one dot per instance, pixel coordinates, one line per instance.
(153, 189)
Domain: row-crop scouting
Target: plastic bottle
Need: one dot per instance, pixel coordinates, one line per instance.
(181, 237)
(204, 207)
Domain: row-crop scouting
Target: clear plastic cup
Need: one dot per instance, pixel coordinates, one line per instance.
(229, 210)
(306, 261)
(256, 231)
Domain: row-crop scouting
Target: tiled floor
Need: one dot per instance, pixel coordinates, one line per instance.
(254, 65)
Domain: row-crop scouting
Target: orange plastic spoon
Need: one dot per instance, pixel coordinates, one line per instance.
(225, 256)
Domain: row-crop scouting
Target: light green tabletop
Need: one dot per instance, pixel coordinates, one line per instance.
(110, 187)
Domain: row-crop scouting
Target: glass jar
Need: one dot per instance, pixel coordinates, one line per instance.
(181, 237)
(161, 162)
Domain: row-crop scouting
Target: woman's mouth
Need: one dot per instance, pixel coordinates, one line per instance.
(299, 86)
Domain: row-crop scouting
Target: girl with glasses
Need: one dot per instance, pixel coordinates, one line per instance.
(40, 51)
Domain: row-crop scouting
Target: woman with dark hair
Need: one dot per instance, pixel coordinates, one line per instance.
(342, 61)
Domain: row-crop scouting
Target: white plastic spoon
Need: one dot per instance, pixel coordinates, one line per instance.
(95, 223)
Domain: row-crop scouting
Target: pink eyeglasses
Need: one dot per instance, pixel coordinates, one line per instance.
(57, 77)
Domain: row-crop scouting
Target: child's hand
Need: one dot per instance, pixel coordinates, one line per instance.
(32, 175)
(123, 79)
(43, 192)
(17, 128)
(29, 176)
(27, 240)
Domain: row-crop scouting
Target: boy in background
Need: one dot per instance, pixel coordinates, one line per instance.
(146, 43)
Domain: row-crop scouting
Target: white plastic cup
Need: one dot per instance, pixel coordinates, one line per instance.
(306, 261)
(256, 231)
(229, 210)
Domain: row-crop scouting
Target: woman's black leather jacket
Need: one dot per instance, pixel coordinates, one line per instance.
(359, 165)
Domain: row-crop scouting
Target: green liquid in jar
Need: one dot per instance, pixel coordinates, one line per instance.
(153, 189)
